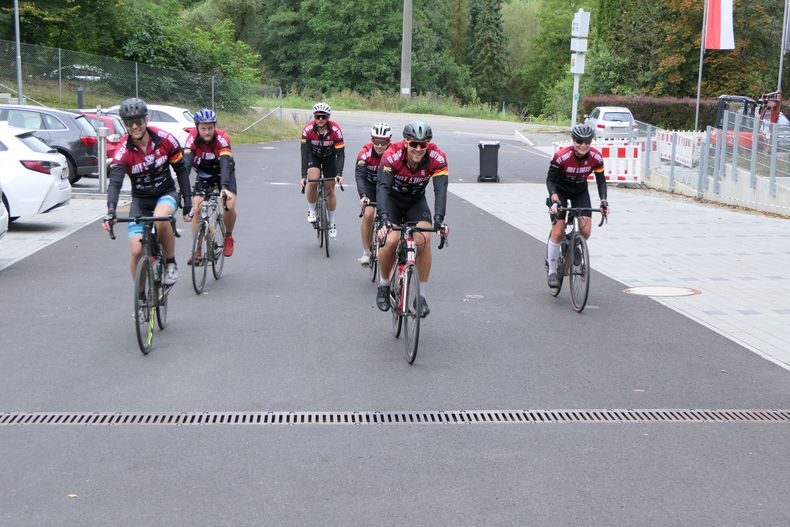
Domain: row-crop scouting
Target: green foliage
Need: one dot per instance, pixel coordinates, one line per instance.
(488, 51)
(666, 112)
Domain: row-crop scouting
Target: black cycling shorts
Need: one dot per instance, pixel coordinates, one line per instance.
(415, 210)
(203, 183)
(327, 165)
(580, 199)
(146, 206)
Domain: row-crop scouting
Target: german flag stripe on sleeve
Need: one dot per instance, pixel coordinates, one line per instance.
(442, 172)
(340, 145)
(175, 158)
(225, 152)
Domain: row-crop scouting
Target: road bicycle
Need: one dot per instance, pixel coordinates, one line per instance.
(150, 293)
(208, 242)
(578, 266)
(321, 224)
(405, 287)
(373, 246)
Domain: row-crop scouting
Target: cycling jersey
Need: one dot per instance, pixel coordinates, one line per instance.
(149, 169)
(568, 172)
(399, 183)
(322, 145)
(368, 161)
(210, 159)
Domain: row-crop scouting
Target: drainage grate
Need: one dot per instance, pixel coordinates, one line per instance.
(391, 418)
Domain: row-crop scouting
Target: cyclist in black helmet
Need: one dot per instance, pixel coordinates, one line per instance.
(146, 155)
(567, 180)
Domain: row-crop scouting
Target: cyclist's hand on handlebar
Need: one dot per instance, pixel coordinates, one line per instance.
(364, 200)
(109, 219)
(188, 214)
(386, 228)
(339, 179)
(604, 207)
(303, 182)
(555, 207)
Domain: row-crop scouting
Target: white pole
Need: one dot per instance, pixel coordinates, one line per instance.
(575, 107)
(701, 55)
(20, 99)
(405, 54)
(782, 48)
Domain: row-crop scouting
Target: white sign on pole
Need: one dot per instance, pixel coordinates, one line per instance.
(577, 63)
(581, 24)
(579, 45)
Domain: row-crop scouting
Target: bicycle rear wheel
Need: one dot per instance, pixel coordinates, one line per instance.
(325, 225)
(580, 272)
(397, 318)
(144, 304)
(319, 219)
(411, 316)
(374, 256)
(217, 248)
(200, 256)
(160, 290)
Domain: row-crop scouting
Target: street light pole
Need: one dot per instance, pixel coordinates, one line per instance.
(20, 99)
(405, 54)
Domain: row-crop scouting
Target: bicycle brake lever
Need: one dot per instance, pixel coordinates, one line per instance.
(173, 225)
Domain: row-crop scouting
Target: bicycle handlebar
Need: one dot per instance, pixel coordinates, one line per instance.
(604, 217)
(144, 220)
(412, 226)
(366, 205)
(319, 180)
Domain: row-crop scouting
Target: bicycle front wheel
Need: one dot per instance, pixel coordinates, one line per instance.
(411, 316)
(319, 218)
(218, 248)
(325, 226)
(200, 257)
(160, 290)
(144, 304)
(580, 272)
(397, 319)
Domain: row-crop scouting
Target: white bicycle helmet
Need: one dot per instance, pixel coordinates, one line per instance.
(322, 107)
(381, 131)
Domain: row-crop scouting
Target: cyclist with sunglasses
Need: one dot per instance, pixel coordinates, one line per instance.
(405, 170)
(146, 155)
(567, 180)
(207, 149)
(322, 149)
(368, 161)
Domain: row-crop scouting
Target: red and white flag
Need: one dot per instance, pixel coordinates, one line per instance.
(719, 33)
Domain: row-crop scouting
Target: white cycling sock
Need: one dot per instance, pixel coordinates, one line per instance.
(424, 289)
(553, 254)
(383, 281)
(331, 217)
(311, 206)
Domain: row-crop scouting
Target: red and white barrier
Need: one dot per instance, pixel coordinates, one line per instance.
(687, 150)
(621, 160)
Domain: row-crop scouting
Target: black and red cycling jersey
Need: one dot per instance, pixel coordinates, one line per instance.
(213, 157)
(149, 169)
(568, 172)
(323, 145)
(397, 181)
(368, 161)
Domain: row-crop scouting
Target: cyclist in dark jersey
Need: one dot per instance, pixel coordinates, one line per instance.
(146, 155)
(368, 161)
(322, 149)
(207, 149)
(405, 170)
(567, 180)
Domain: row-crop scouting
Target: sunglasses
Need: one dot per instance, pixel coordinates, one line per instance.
(417, 144)
(582, 142)
(131, 123)
(381, 142)
(321, 116)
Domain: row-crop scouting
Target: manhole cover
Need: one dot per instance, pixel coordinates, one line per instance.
(661, 290)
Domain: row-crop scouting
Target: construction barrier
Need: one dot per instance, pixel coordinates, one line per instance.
(620, 161)
(687, 149)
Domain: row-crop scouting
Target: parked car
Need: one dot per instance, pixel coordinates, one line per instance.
(81, 72)
(612, 122)
(69, 133)
(34, 177)
(115, 125)
(177, 121)
(3, 216)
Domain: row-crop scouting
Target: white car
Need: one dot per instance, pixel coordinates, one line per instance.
(3, 216)
(177, 121)
(34, 178)
(612, 122)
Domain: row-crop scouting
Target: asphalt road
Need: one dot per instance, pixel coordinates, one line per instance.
(287, 329)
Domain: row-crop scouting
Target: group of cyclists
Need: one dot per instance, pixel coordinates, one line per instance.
(393, 175)
(146, 156)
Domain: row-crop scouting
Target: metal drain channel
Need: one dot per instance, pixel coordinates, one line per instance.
(391, 418)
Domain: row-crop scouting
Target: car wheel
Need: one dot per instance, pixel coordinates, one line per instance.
(73, 176)
(11, 219)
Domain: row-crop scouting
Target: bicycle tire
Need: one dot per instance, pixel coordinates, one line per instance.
(554, 290)
(397, 319)
(580, 273)
(200, 265)
(144, 305)
(411, 316)
(217, 248)
(319, 219)
(325, 226)
(160, 291)
(374, 256)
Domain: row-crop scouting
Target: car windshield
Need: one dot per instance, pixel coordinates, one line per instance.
(118, 125)
(34, 143)
(617, 116)
(188, 116)
(85, 126)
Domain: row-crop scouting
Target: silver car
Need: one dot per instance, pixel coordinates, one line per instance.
(612, 122)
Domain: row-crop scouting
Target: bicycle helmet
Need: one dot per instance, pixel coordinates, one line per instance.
(381, 131)
(133, 108)
(417, 131)
(205, 115)
(322, 107)
(583, 132)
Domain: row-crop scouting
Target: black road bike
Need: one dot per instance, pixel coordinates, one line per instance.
(321, 223)
(150, 292)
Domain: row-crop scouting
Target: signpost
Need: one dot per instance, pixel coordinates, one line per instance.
(580, 28)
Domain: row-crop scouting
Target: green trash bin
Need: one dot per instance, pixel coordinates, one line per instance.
(489, 161)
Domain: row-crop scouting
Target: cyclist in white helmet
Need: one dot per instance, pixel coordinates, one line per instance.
(322, 149)
(368, 161)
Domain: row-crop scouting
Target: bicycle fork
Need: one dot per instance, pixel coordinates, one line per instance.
(409, 263)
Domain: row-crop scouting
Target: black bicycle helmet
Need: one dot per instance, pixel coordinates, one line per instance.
(417, 131)
(583, 132)
(133, 108)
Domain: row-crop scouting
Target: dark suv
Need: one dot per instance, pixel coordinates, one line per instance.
(70, 133)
